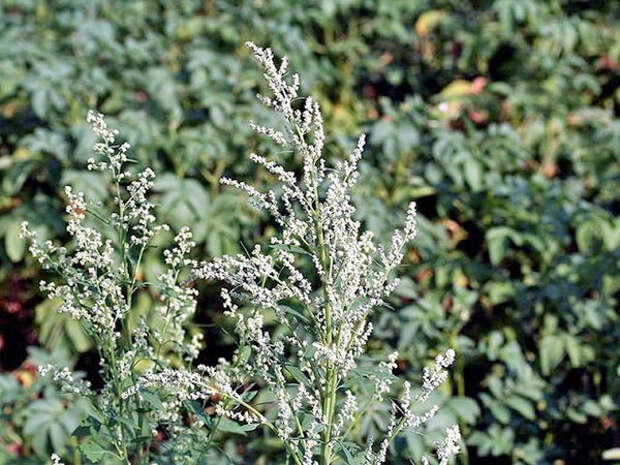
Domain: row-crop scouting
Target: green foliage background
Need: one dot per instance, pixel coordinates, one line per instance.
(498, 117)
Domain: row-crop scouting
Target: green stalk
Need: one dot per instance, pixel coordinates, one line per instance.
(329, 400)
(265, 422)
(459, 378)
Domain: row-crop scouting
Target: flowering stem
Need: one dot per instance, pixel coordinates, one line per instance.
(330, 392)
(265, 422)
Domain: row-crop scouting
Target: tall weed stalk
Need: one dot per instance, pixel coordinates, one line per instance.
(322, 278)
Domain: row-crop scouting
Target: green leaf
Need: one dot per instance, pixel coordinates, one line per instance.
(465, 408)
(93, 451)
(152, 399)
(586, 236)
(294, 312)
(498, 410)
(500, 291)
(14, 244)
(576, 416)
(47, 421)
(348, 452)
(551, 353)
(592, 408)
(229, 426)
(299, 376)
(521, 405)
(80, 341)
(473, 174)
(573, 350)
(58, 437)
(497, 241)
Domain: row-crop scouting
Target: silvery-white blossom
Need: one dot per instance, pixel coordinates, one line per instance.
(327, 320)
(56, 460)
(98, 279)
(449, 446)
(322, 278)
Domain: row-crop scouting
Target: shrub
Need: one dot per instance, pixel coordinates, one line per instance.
(310, 368)
(99, 281)
(498, 118)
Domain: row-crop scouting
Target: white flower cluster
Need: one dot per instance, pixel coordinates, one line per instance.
(135, 212)
(383, 378)
(66, 379)
(91, 291)
(322, 277)
(178, 300)
(327, 322)
(99, 278)
(56, 460)
(436, 374)
(450, 445)
(112, 157)
(403, 417)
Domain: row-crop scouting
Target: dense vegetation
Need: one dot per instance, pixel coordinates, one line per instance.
(498, 118)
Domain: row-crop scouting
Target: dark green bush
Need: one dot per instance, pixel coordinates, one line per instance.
(499, 118)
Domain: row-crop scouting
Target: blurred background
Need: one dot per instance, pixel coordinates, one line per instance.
(498, 117)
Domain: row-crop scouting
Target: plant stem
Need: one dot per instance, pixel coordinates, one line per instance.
(265, 422)
(329, 399)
